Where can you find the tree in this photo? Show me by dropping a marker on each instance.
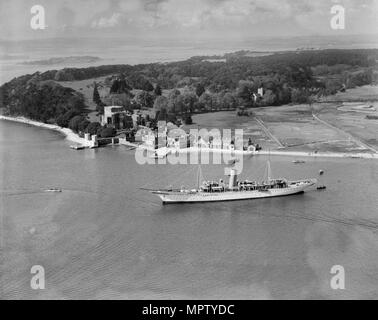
(241, 111)
(114, 87)
(139, 81)
(158, 90)
(171, 117)
(179, 105)
(120, 85)
(188, 119)
(284, 95)
(174, 101)
(173, 94)
(161, 102)
(74, 123)
(93, 127)
(189, 100)
(229, 101)
(145, 99)
(107, 132)
(269, 98)
(83, 125)
(64, 119)
(100, 108)
(217, 101)
(300, 96)
(200, 89)
(64, 75)
(147, 86)
(245, 92)
(206, 101)
(96, 95)
(120, 99)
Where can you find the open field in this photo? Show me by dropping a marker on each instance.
(358, 94)
(355, 122)
(229, 120)
(337, 124)
(333, 127)
(86, 88)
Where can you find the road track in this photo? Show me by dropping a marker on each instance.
(268, 133)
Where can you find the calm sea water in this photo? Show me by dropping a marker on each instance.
(102, 237)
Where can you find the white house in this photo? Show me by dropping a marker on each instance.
(109, 111)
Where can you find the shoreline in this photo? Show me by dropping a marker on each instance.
(68, 133)
(73, 137)
(321, 154)
(286, 153)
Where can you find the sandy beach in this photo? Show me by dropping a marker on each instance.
(70, 135)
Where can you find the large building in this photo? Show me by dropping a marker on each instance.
(117, 117)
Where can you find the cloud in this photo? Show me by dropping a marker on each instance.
(207, 13)
(175, 17)
(277, 16)
(107, 22)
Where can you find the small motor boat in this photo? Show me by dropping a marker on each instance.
(321, 188)
(77, 147)
(299, 161)
(53, 190)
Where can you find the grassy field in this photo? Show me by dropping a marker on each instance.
(336, 127)
(86, 88)
(364, 93)
(229, 120)
(355, 122)
(337, 123)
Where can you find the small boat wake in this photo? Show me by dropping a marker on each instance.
(26, 192)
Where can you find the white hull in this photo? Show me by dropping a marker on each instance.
(178, 197)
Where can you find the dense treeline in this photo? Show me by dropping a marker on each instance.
(49, 102)
(44, 101)
(224, 74)
(206, 86)
(196, 84)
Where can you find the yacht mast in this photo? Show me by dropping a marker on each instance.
(199, 176)
(268, 170)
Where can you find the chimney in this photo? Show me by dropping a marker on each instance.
(233, 177)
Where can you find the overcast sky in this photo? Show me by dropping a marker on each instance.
(175, 19)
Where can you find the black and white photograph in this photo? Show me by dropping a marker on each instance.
(170, 150)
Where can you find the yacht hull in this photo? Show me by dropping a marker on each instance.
(192, 197)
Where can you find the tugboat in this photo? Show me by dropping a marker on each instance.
(211, 191)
